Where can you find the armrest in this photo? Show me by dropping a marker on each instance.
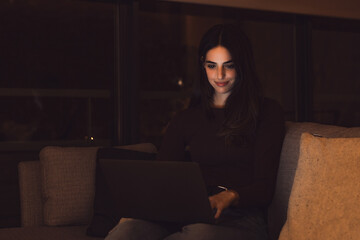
(30, 193)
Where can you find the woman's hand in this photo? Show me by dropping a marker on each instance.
(222, 201)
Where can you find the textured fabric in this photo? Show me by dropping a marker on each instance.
(68, 182)
(45, 233)
(105, 216)
(288, 164)
(68, 177)
(30, 194)
(325, 195)
(249, 168)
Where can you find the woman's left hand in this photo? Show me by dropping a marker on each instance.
(222, 201)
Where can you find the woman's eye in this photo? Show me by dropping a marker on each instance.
(230, 66)
(211, 66)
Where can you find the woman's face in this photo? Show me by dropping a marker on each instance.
(220, 70)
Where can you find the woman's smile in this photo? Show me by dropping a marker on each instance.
(222, 84)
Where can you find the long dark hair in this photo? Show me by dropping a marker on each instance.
(242, 105)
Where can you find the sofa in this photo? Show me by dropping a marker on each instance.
(62, 207)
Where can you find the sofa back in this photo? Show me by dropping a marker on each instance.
(277, 211)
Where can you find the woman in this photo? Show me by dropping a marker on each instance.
(234, 134)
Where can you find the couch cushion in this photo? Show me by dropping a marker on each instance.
(288, 163)
(68, 177)
(325, 195)
(45, 233)
(105, 217)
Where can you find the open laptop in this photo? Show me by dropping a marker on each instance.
(168, 191)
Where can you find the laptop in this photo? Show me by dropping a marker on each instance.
(168, 191)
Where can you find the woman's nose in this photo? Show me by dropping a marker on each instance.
(221, 73)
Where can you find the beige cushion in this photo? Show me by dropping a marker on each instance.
(326, 192)
(288, 163)
(68, 182)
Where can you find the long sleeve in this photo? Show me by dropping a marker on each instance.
(255, 183)
(249, 170)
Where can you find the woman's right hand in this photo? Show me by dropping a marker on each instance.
(222, 201)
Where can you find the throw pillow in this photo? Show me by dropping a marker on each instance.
(67, 184)
(277, 210)
(105, 217)
(326, 190)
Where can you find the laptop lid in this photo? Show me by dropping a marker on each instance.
(158, 190)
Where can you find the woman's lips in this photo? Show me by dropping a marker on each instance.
(221, 84)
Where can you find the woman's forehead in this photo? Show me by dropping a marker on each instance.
(218, 54)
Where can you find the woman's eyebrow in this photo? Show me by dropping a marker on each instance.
(207, 61)
(230, 61)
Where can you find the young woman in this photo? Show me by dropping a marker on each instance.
(234, 133)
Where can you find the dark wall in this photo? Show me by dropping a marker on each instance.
(56, 78)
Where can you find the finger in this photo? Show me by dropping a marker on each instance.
(218, 213)
(212, 203)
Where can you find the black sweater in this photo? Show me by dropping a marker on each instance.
(249, 169)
